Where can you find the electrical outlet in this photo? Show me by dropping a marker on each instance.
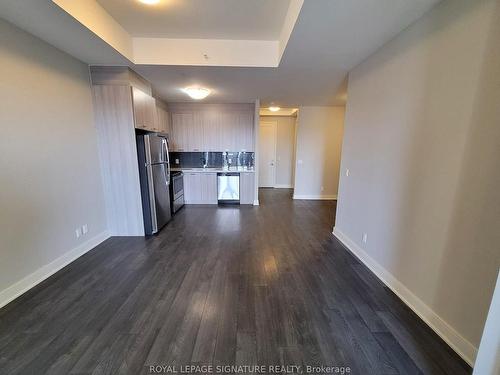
(176, 161)
(347, 172)
(365, 237)
(299, 161)
(85, 229)
(78, 232)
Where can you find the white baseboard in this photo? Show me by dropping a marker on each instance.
(283, 186)
(256, 202)
(458, 343)
(316, 197)
(25, 284)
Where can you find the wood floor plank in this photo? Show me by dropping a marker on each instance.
(265, 285)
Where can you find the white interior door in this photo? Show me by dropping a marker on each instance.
(267, 154)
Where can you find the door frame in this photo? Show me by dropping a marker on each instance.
(275, 128)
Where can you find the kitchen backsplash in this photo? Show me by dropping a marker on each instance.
(211, 159)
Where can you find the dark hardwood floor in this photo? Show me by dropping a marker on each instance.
(264, 285)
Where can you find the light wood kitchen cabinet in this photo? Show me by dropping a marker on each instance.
(187, 132)
(245, 139)
(247, 188)
(200, 188)
(122, 102)
(191, 183)
(208, 188)
(114, 115)
(182, 123)
(229, 131)
(212, 128)
(163, 119)
(145, 115)
(211, 131)
(195, 141)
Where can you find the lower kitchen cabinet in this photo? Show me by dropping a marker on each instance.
(247, 188)
(208, 188)
(200, 188)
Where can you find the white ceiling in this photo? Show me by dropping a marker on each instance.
(201, 19)
(330, 37)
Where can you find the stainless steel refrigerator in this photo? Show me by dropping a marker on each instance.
(154, 172)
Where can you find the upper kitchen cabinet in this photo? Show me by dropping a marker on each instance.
(229, 131)
(196, 134)
(143, 103)
(212, 127)
(245, 140)
(187, 132)
(237, 131)
(211, 131)
(145, 114)
(182, 123)
(163, 117)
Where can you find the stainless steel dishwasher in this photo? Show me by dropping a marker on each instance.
(228, 188)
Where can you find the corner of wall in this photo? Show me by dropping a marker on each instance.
(22, 286)
(459, 344)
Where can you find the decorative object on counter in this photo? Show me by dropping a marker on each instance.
(212, 159)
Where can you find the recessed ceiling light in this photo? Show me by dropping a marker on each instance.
(274, 109)
(150, 2)
(197, 93)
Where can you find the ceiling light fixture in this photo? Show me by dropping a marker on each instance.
(274, 109)
(150, 2)
(197, 93)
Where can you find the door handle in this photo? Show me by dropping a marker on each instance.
(165, 150)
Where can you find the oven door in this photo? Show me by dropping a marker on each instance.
(178, 185)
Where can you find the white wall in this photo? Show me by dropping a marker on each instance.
(318, 146)
(49, 170)
(422, 143)
(285, 149)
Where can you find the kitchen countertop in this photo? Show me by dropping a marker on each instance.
(220, 169)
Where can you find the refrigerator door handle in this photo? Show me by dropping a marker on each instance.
(165, 144)
(152, 201)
